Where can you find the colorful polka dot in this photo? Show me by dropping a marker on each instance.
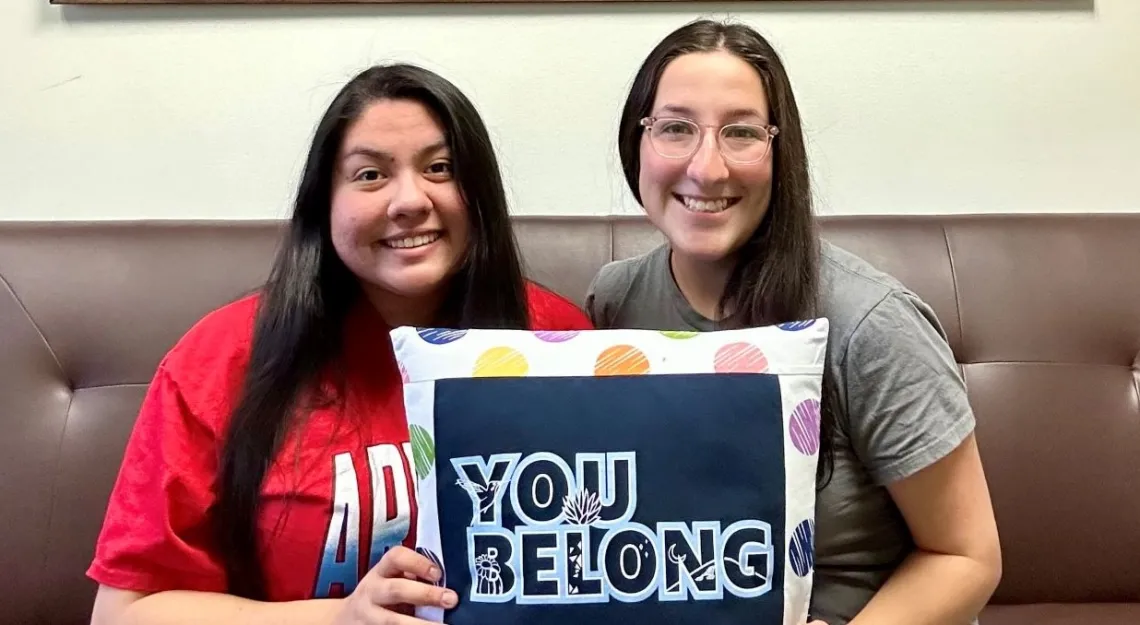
(795, 326)
(440, 336)
(556, 336)
(801, 551)
(740, 358)
(679, 334)
(621, 360)
(803, 426)
(501, 362)
(423, 450)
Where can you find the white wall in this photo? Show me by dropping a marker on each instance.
(205, 112)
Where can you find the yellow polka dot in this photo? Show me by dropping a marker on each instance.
(621, 360)
(501, 362)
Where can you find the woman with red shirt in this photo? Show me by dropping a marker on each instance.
(268, 478)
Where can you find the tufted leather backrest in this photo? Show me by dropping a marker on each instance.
(1043, 313)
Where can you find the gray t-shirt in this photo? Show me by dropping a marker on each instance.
(901, 396)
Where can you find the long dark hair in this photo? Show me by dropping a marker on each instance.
(297, 332)
(776, 278)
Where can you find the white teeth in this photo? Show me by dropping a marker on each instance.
(704, 206)
(410, 242)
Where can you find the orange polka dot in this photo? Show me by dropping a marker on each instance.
(501, 362)
(621, 360)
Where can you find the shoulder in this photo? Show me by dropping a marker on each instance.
(221, 332)
(620, 275)
(208, 362)
(551, 311)
(618, 281)
(897, 378)
(857, 297)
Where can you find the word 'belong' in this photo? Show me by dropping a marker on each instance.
(542, 532)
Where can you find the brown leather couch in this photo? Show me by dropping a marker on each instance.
(1042, 311)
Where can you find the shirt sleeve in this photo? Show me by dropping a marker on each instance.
(907, 406)
(157, 532)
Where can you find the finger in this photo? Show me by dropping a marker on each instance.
(400, 560)
(396, 591)
(384, 616)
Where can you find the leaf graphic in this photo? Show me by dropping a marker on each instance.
(582, 508)
(423, 451)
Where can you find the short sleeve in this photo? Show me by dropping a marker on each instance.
(907, 406)
(157, 532)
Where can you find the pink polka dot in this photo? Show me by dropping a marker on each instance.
(740, 358)
(803, 427)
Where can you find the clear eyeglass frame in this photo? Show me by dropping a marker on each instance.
(768, 131)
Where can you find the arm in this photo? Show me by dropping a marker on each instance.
(401, 580)
(156, 534)
(957, 564)
(156, 560)
(181, 607)
(913, 428)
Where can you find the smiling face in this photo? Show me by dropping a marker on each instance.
(398, 222)
(706, 205)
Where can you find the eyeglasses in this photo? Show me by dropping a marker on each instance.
(743, 144)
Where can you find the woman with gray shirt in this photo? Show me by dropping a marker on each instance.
(711, 147)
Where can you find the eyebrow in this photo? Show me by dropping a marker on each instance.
(380, 155)
(688, 112)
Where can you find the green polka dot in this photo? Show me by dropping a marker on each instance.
(679, 334)
(423, 451)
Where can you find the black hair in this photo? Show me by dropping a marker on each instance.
(776, 278)
(309, 292)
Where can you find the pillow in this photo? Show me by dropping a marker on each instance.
(611, 476)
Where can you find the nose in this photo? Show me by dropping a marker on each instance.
(708, 164)
(408, 197)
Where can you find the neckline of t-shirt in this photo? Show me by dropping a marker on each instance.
(696, 320)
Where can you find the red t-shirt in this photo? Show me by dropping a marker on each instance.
(338, 495)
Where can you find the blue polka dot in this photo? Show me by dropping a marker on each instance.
(440, 336)
(795, 326)
(801, 553)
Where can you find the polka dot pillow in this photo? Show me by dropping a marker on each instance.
(617, 475)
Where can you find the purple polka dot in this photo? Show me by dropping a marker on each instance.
(795, 326)
(801, 551)
(556, 336)
(440, 336)
(803, 426)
